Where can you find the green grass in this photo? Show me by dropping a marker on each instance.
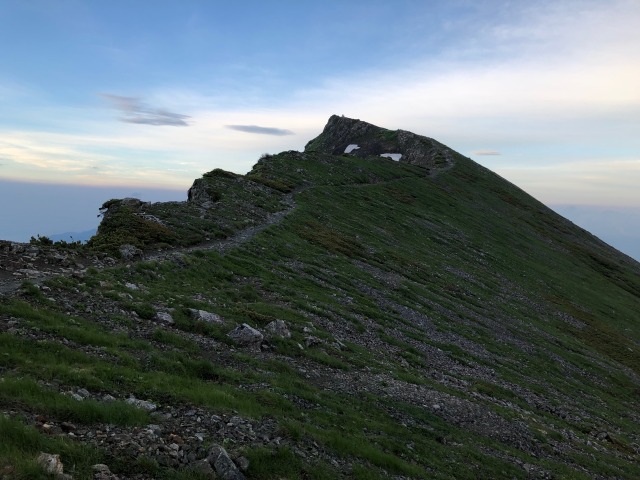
(20, 392)
(22, 444)
(487, 271)
(282, 463)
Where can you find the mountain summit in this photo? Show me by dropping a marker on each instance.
(361, 139)
(376, 306)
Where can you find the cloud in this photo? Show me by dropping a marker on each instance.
(486, 152)
(89, 159)
(260, 130)
(135, 111)
(535, 102)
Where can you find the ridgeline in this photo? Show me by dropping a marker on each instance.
(377, 306)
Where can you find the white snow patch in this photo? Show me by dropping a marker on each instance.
(351, 148)
(392, 156)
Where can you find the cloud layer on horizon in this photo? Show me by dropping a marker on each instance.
(260, 130)
(486, 152)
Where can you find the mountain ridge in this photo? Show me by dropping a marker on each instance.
(331, 315)
(340, 132)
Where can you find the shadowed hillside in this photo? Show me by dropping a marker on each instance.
(327, 315)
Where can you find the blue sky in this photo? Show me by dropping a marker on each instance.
(128, 96)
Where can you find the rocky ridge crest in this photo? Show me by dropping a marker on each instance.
(341, 132)
(328, 315)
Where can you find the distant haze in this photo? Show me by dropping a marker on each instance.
(617, 226)
(29, 209)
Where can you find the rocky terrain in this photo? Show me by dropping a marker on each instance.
(328, 315)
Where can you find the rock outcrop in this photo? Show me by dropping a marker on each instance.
(246, 335)
(342, 134)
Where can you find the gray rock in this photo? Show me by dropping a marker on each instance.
(50, 463)
(223, 465)
(278, 329)
(205, 316)
(130, 252)
(102, 472)
(164, 317)
(312, 341)
(100, 468)
(340, 132)
(143, 404)
(246, 335)
(151, 218)
(84, 393)
(155, 429)
(201, 195)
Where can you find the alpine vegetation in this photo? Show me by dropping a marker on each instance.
(376, 306)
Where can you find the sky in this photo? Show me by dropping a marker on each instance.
(139, 98)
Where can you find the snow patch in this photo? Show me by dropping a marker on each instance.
(392, 156)
(351, 148)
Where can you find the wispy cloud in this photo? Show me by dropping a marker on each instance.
(260, 130)
(525, 103)
(29, 154)
(486, 152)
(135, 111)
(93, 160)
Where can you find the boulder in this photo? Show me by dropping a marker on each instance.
(312, 341)
(102, 472)
(223, 465)
(246, 335)
(205, 316)
(164, 317)
(130, 252)
(143, 404)
(50, 463)
(199, 194)
(278, 329)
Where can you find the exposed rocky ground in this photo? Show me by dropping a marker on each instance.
(328, 315)
(21, 262)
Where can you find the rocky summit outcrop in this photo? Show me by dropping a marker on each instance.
(344, 135)
(377, 306)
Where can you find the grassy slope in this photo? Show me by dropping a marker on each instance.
(458, 286)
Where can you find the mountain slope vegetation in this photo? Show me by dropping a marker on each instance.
(438, 323)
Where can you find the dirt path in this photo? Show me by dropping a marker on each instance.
(20, 262)
(239, 238)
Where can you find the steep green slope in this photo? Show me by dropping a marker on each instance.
(443, 323)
